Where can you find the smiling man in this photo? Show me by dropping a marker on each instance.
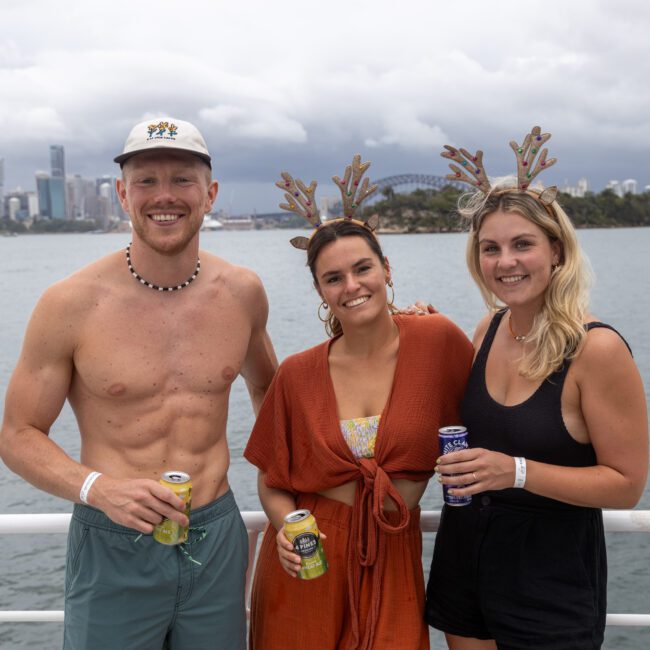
(145, 344)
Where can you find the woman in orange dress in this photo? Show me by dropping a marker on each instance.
(348, 430)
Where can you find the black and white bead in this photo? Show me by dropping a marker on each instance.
(155, 287)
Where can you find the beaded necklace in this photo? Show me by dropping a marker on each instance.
(155, 287)
(517, 337)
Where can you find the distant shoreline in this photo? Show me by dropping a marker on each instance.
(388, 231)
(447, 231)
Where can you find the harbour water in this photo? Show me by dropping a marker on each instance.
(429, 267)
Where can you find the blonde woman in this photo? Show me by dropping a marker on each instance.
(558, 429)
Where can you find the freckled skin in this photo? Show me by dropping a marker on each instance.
(137, 379)
(151, 386)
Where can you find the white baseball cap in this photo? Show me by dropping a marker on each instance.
(164, 133)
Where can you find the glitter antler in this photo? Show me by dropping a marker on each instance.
(353, 191)
(531, 160)
(468, 163)
(527, 165)
(301, 200)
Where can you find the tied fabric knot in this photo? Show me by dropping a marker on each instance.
(370, 497)
(367, 546)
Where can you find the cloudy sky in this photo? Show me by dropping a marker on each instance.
(302, 85)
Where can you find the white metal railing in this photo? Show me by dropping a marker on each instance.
(627, 521)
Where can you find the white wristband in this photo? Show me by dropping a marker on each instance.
(520, 472)
(88, 483)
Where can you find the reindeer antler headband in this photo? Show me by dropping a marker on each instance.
(301, 199)
(531, 160)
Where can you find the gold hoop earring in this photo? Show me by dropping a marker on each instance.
(326, 307)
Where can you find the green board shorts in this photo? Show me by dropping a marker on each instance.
(126, 591)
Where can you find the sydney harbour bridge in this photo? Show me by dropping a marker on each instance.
(398, 184)
(404, 183)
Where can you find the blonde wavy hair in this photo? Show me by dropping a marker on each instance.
(558, 329)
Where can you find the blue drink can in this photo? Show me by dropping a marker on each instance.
(453, 439)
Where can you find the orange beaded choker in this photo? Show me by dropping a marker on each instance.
(516, 337)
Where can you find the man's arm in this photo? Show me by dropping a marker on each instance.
(35, 396)
(260, 363)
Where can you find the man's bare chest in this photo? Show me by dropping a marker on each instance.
(135, 353)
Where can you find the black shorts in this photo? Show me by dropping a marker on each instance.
(525, 578)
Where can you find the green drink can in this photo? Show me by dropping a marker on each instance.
(301, 530)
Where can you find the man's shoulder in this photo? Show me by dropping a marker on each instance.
(63, 309)
(235, 276)
(76, 290)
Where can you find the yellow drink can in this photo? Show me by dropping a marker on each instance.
(301, 530)
(167, 531)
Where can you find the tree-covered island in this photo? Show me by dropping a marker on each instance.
(429, 210)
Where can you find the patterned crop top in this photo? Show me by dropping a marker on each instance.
(361, 435)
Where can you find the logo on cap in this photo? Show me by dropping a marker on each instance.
(157, 131)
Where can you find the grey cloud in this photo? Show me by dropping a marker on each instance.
(286, 86)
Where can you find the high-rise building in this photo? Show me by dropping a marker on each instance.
(14, 208)
(616, 187)
(77, 197)
(629, 186)
(58, 190)
(578, 190)
(583, 187)
(58, 198)
(57, 161)
(106, 203)
(43, 194)
(32, 205)
(2, 188)
(115, 209)
(17, 204)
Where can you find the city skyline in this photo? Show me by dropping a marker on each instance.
(57, 163)
(302, 88)
(58, 195)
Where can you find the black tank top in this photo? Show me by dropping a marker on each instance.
(533, 429)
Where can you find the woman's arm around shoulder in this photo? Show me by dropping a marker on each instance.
(433, 327)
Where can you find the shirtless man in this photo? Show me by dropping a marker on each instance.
(148, 374)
